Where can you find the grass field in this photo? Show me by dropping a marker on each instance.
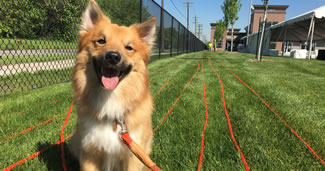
(293, 89)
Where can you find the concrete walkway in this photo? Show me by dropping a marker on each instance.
(6, 70)
(36, 52)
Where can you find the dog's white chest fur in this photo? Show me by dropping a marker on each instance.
(101, 136)
(100, 133)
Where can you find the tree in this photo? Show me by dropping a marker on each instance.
(263, 28)
(230, 10)
(60, 19)
(221, 27)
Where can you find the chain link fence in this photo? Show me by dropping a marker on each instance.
(38, 39)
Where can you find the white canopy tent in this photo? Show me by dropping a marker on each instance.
(308, 27)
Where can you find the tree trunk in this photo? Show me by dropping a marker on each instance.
(262, 38)
(232, 37)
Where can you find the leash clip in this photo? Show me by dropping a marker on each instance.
(123, 128)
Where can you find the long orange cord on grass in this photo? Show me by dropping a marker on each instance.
(36, 106)
(62, 138)
(276, 114)
(61, 141)
(228, 120)
(31, 128)
(205, 123)
(22, 161)
(165, 84)
(171, 109)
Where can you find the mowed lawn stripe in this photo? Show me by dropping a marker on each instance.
(277, 115)
(219, 150)
(175, 72)
(176, 84)
(177, 143)
(266, 141)
(157, 81)
(171, 108)
(228, 119)
(206, 120)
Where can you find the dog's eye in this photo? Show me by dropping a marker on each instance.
(128, 47)
(101, 41)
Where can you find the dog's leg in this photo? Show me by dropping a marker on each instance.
(74, 145)
(91, 161)
(134, 164)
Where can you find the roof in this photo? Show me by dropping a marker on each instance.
(318, 12)
(279, 7)
(298, 27)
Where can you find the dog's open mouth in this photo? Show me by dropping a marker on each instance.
(110, 77)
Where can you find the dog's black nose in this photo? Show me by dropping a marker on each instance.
(112, 57)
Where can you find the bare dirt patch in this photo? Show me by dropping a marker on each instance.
(263, 60)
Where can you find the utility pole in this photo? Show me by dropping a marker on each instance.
(188, 21)
(188, 13)
(195, 25)
(200, 28)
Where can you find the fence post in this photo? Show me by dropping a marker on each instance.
(187, 41)
(140, 12)
(178, 38)
(184, 40)
(161, 30)
(171, 37)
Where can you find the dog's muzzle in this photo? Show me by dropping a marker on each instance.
(111, 69)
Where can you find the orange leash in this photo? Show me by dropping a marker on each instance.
(136, 149)
(64, 167)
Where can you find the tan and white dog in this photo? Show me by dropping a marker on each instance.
(110, 83)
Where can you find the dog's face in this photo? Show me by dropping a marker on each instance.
(113, 51)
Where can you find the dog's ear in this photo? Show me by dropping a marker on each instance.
(147, 30)
(92, 15)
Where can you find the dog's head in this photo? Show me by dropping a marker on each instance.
(112, 51)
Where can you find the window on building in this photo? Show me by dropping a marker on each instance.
(272, 45)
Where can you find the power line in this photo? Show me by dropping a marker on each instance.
(177, 8)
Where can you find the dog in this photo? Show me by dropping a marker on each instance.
(110, 83)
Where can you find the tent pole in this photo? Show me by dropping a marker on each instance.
(311, 38)
(284, 40)
(311, 22)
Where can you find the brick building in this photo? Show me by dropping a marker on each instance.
(275, 14)
(226, 41)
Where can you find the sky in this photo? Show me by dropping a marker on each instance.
(209, 11)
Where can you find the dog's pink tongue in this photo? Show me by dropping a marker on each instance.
(110, 82)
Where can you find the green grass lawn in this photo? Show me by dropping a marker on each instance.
(14, 44)
(293, 88)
